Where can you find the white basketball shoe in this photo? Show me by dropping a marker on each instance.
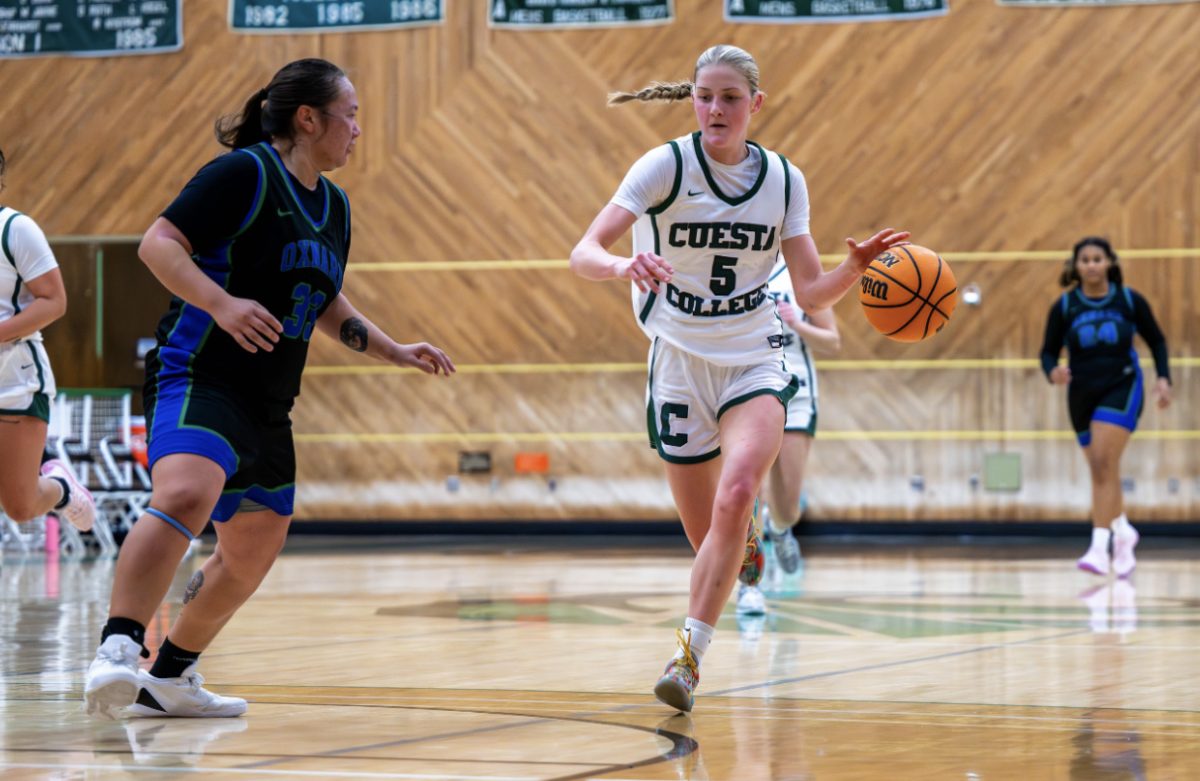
(1125, 539)
(184, 697)
(750, 601)
(1096, 560)
(112, 678)
(81, 509)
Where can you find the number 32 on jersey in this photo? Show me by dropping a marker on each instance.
(304, 314)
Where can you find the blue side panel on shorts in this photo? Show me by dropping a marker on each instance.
(1125, 418)
(169, 434)
(280, 501)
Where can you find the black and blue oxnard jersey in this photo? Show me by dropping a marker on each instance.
(289, 259)
(1098, 335)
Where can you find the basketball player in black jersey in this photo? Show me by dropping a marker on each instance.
(1096, 319)
(255, 250)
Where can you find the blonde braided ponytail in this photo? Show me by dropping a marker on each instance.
(666, 92)
(658, 92)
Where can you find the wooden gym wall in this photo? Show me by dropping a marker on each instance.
(991, 129)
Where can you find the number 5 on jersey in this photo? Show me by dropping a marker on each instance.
(304, 314)
(724, 278)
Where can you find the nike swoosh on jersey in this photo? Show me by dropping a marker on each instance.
(282, 213)
(690, 193)
(26, 366)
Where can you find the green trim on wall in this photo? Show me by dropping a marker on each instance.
(99, 302)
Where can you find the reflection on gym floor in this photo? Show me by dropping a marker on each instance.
(494, 659)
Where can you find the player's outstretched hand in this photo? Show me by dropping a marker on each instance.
(646, 270)
(249, 323)
(1060, 375)
(861, 255)
(425, 357)
(790, 313)
(1162, 392)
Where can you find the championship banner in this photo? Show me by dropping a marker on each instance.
(312, 16)
(574, 14)
(1093, 3)
(815, 11)
(29, 28)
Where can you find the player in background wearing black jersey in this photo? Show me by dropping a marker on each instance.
(1096, 320)
(255, 250)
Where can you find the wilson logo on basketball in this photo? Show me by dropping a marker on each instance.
(921, 288)
(875, 288)
(887, 259)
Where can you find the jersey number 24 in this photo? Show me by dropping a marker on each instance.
(1105, 333)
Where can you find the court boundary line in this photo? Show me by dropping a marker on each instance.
(682, 745)
(747, 707)
(235, 754)
(886, 665)
(9, 677)
(307, 773)
(830, 711)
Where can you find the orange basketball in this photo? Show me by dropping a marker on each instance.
(908, 293)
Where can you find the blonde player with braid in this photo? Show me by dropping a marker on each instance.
(711, 213)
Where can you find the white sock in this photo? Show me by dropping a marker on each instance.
(1100, 537)
(700, 636)
(1121, 524)
(776, 528)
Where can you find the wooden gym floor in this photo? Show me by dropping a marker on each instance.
(510, 659)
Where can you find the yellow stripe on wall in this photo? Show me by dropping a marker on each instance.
(614, 368)
(622, 436)
(957, 257)
(488, 368)
(504, 265)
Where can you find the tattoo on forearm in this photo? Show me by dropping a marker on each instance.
(354, 335)
(193, 587)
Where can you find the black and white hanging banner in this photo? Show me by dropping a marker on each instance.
(568, 14)
(816, 11)
(29, 28)
(291, 16)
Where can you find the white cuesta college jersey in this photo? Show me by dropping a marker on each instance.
(798, 355)
(723, 249)
(24, 255)
(24, 367)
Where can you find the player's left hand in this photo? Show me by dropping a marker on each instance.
(790, 314)
(1162, 391)
(861, 255)
(425, 357)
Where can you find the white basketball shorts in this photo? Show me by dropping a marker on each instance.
(686, 397)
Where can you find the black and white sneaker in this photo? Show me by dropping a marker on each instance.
(184, 697)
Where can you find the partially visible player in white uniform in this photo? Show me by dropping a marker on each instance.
(711, 213)
(803, 333)
(32, 297)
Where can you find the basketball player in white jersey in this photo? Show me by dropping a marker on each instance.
(802, 334)
(31, 297)
(711, 212)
